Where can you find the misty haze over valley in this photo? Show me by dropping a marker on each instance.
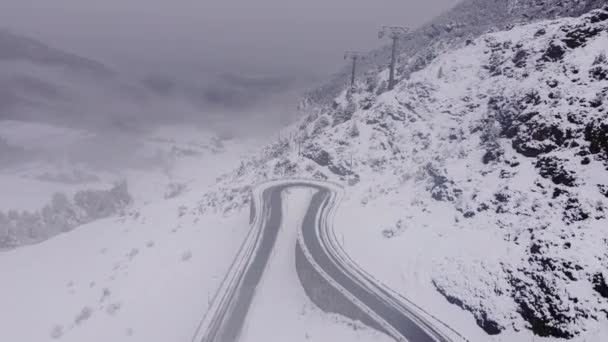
(270, 170)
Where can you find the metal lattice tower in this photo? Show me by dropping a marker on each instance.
(354, 56)
(394, 33)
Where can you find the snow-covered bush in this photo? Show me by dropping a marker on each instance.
(61, 215)
(99, 204)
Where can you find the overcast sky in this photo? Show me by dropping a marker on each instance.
(179, 35)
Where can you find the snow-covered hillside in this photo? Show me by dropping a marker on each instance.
(466, 21)
(479, 183)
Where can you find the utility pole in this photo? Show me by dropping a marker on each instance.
(354, 56)
(394, 33)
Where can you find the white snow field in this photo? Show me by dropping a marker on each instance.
(146, 276)
(477, 188)
(145, 273)
(149, 272)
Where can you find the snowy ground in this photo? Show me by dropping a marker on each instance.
(410, 260)
(472, 177)
(147, 275)
(144, 276)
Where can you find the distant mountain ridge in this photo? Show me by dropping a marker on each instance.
(40, 82)
(17, 48)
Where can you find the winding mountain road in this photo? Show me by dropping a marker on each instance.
(368, 299)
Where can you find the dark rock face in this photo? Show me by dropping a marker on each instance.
(599, 69)
(599, 73)
(552, 168)
(573, 211)
(342, 115)
(340, 170)
(531, 135)
(539, 299)
(535, 138)
(555, 52)
(599, 285)
(490, 156)
(440, 187)
(578, 35)
(323, 158)
(317, 154)
(520, 59)
(596, 133)
(603, 189)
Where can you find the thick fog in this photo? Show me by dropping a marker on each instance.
(276, 36)
(236, 67)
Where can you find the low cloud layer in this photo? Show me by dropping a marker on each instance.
(186, 36)
(236, 66)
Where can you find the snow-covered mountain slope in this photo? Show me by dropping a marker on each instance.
(466, 21)
(488, 166)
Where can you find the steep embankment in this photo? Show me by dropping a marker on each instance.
(505, 138)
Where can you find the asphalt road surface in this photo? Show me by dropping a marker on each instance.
(224, 322)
